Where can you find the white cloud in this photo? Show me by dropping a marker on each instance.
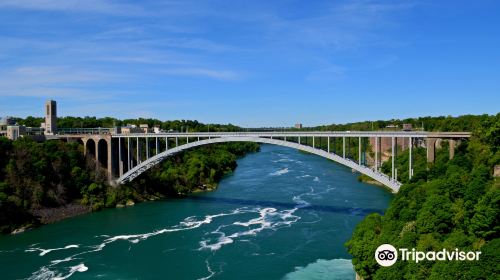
(95, 6)
(328, 74)
(203, 72)
(340, 27)
(40, 81)
(46, 75)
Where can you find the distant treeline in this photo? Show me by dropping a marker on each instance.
(442, 123)
(449, 123)
(92, 122)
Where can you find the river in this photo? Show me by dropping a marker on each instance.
(282, 214)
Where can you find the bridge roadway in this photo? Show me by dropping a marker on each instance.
(399, 134)
(117, 154)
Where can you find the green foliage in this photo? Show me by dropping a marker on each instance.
(38, 175)
(198, 169)
(448, 204)
(92, 122)
(30, 121)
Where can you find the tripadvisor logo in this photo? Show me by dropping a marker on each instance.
(387, 255)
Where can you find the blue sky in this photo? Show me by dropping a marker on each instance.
(251, 63)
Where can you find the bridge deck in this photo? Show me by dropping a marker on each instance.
(399, 134)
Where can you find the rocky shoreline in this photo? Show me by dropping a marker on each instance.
(52, 215)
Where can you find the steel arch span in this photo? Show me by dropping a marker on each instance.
(149, 163)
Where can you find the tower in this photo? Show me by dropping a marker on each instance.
(50, 117)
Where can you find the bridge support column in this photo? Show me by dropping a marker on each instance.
(328, 146)
(299, 140)
(431, 148)
(410, 146)
(166, 143)
(392, 157)
(110, 159)
(96, 154)
(378, 152)
(128, 154)
(359, 150)
(176, 141)
(138, 158)
(452, 143)
(120, 162)
(313, 141)
(156, 145)
(343, 147)
(147, 148)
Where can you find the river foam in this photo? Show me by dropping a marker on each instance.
(43, 252)
(189, 223)
(280, 172)
(269, 218)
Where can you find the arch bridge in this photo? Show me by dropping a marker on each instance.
(126, 156)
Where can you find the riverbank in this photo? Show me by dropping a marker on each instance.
(46, 216)
(365, 179)
(52, 215)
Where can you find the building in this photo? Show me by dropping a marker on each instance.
(50, 117)
(130, 128)
(15, 131)
(144, 128)
(298, 125)
(391, 127)
(116, 130)
(407, 127)
(157, 129)
(5, 121)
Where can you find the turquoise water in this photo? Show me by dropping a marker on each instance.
(281, 215)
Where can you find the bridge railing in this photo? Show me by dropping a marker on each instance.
(415, 134)
(96, 130)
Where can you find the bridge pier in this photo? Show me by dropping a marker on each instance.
(128, 155)
(378, 153)
(158, 147)
(343, 147)
(393, 156)
(452, 143)
(410, 146)
(431, 149)
(138, 158)
(120, 161)
(359, 150)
